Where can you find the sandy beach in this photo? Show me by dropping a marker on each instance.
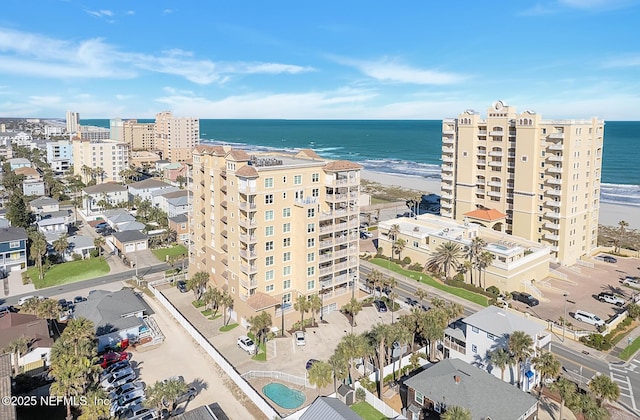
(610, 214)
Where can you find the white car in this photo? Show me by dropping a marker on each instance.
(24, 299)
(126, 401)
(246, 344)
(125, 389)
(118, 379)
(631, 281)
(299, 337)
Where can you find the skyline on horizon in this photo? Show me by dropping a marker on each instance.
(561, 58)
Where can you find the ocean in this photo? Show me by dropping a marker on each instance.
(410, 148)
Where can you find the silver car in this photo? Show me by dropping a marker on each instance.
(118, 379)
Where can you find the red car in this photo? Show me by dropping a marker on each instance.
(112, 357)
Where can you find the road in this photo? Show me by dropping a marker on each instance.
(577, 366)
(95, 283)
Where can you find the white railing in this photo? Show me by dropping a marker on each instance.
(274, 374)
(219, 359)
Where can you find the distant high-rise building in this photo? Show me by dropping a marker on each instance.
(176, 137)
(73, 122)
(140, 136)
(89, 132)
(102, 160)
(533, 178)
(116, 129)
(60, 155)
(272, 228)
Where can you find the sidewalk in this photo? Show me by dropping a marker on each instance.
(617, 349)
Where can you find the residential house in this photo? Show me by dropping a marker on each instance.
(81, 245)
(55, 224)
(174, 203)
(180, 224)
(117, 316)
(110, 192)
(22, 139)
(517, 263)
(7, 411)
(16, 163)
(121, 220)
(33, 183)
(161, 164)
(172, 171)
(453, 382)
(14, 326)
(145, 189)
(212, 411)
(13, 248)
(44, 205)
(472, 338)
(130, 241)
(327, 408)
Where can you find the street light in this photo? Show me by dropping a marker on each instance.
(564, 318)
(282, 307)
(322, 304)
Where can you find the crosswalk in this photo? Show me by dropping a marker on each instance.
(620, 375)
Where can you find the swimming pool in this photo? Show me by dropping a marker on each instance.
(284, 396)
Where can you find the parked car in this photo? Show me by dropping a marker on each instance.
(118, 379)
(299, 337)
(140, 412)
(79, 299)
(525, 298)
(112, 357)
(125, 401)
(24, 299)
(607, 258)
(126, 388)
(588, 317)
(611, 298)
(246, 344)
(182, 286)
(186, 396)
(310, 363)
(412, 302)
(366, 233)
(101, 225)
(380, 305)
(114, 368)
(631, 281)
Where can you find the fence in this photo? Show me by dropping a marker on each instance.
(378, 404)
(244, 386)
(274, 374)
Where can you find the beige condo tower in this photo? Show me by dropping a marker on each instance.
(540, 178)
(271, 228)
(176, 137)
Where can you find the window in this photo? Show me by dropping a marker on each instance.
(311, 284)
(474, 348)
(525, 158)
(14, 244)
(268, 246)
(286, 242)
(268, 231)
(286, 256)
(286, 284)
(268, 261)
(286, 212)
(311, 227)
(284, 195)
(315, 177)
(286, 270)
(311, 271)
(286, 227)
(297, 180)
(268, 275)
(284, 179)
(268, 215)
(268, 288)
(268, 199)
(416, 244)
(268, 182)
(311, 257)
(491, 336)
(311, 242)
(315, 192)
(419, 398)
(286, 299)
(474, 329)
(311, 212)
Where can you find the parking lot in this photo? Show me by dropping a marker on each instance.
(582, 286)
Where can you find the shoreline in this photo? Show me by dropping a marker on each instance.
(610, 214)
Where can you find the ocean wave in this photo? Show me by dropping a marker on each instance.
(628, 195)
(402, 167)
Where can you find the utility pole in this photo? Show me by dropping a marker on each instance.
(564, 318)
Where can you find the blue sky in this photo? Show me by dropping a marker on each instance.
(336, 60)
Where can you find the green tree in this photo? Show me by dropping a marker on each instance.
(340, 366)
(38, 250)
(474, 249)
(422, 295)
(483, 261)
(18, 348)
(48, 309)
(353, 308)
(61, 245)
(211, 298)
(260, 325)
(445, 258)
(197, 283)
(431, 325)
(519, 345)
(315, 305)
(226, 300)
(547, 365)
(99, 242)
(566, 389)
(380, 334)
(71, 375)
(394, 231)
(604, 389)
(587, 406)
(456, 412)
(171, 390)
(320, 374)
(301, 305)
(398, 247)
(17, 212)
(501, 358)
(622, 228)
(95, 409)
(633, 309)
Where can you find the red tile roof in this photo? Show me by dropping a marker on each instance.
(341, 165)
(260, 301)
(488, 215)
(239, 155)
(247, 172)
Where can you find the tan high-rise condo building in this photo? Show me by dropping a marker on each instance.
(176, 137)
(272, 228)
(533, 178)
(138, 135)
(102, 160)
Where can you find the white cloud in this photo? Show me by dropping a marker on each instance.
(130, 12)
(558, 6)
(100, 13)
(389, 70)
(631, 60)
(167, 11)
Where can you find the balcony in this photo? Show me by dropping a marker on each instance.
(246, 222)
(224, 247)
(223, 219)
(447, 149)
(223, 204)
(494, 194)
(245, 189)
(224, 234)
(494, 184)
(334, 227)
(448, 140)
(552, 215)
(446, 186)
(247, 206)
(248, 255)
(448, 159)
(249, 269)
(447, 167)
(249, 284)
(225, 262)
(495, 163)
(223, 174)
(341, 181)
(334, 198)
(554, 248)
(556, 136)
(553, 181)
(482, 132)
(480, 191)
(551, 203)
(223, 189)
(554, 158)
(556, 193)
(326, 283)
(557, 146)
(448, 131)
(552, 226)
(248, 239)
(551, 237)
(554, 170)
(307, 201)
(446, 177)
(481, 162)
(495, 153)
(481, 152)
(496, 133)
(447, 195)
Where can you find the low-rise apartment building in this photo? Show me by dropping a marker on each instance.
(175, 137)
(94, 197)
(33, 184)
(102, 160)
(60, 156)
(144, 190)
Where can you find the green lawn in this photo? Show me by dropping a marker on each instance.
(162, 253)
(630, 350)
(228, 327)
(367, 412)
(69, 272)
(464, 294)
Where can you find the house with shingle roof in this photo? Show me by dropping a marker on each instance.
(16, 325)
(453, 382)
(327, 408)
(179, 224)
(13, 248)
(145, 189)
(130, 241)
(44, 205)
(174, 202)
(111, 192)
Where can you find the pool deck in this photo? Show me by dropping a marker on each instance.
(309, 393)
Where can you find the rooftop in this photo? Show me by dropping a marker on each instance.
(111, 311)
(327, 408)
(14, 326)
(106, 187)
(486, 214)
(129, 236)
(149, 183)
(500, 322)
(12, 234)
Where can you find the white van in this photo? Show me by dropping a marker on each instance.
(589, 318)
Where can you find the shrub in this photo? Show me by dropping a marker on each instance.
(493, 290)
(94, 253)
(597, 341)
(406, 260)
(76, 256)
(368, 384)
(416, 267)
(360, 395)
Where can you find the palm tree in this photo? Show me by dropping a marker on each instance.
(394, 231)
(380, 334)
(410, 323)
(61, 245)
(484, 260)
(18, 348)
(320, 374)
(351, 347)
(71, 378)
(340, 368)
(79, 335)
(445, 258)
(99, 242)
(566, 389)
(38, 250)
(197, 283)
(48, 309)
(398, 247)
(431, 326)
(621, 231)
(95, 409)
(211, 298)
(227, 303)
(500, 358)
(315, 305)
(301, 305)
(376, 279)
(404, 334)
(604, 389)
(588, 407)
(422, 295)
(547, 365)
(477, 244)
(260, 324)
(172, 389)
(456, 412)
(353, 308)
(519, 345)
